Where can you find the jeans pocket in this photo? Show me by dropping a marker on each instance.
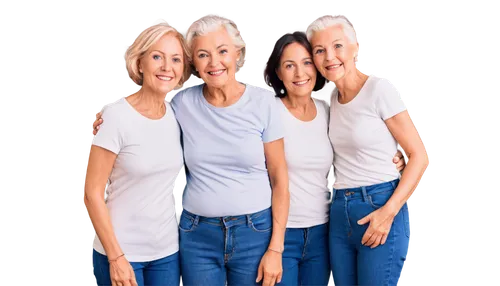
(406, 219)
(263, 223)
(186, 223)
(378, 200)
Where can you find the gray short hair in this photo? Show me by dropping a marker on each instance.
(211, 23)
(328, 21)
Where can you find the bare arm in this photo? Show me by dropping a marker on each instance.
(278, 174)
(406, 134)
(98, 170)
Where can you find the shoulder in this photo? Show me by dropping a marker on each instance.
(322, 104)
(185, 94)
(382, 86)
(115, 109)
(259, 92)
(327, 93)
(260, 97)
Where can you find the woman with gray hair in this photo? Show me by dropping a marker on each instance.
(235, 167)
(369, 223)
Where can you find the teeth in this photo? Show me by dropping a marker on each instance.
(301, 82)
(333, 66)
(165, 78)
(216, 72)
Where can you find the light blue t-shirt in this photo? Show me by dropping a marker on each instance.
(226, 170)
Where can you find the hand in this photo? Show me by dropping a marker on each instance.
(97, 122)
(380, 226)
(399, 160)
(122, 273)
(270, 268)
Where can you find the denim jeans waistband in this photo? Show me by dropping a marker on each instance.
(363, 192)
(227, 220)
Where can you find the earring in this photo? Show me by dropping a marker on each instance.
(282, 91)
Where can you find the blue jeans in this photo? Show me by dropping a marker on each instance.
(161, 272)
(306, 259)
(353, 263)
(216, 250)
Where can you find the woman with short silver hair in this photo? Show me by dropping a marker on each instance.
(235, 167)
(369, 223)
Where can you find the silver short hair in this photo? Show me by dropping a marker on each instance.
(327, 20)
(211, 22)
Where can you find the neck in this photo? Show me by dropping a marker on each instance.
(225, 92)
(299, 103)
(149, 102)
(350, 85)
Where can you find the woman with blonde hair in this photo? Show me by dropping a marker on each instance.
(138, 153)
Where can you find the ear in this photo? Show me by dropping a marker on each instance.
(238, 55)
(140, 66)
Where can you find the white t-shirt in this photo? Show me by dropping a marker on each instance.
(363, 145)
(139, 193)
(309, 156)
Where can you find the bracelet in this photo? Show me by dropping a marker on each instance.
(114, 260)
(274, 250)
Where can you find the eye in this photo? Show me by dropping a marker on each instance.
(308, 63)
(223, 52)
(156, 57)
(288, 66)
(176, 60)
(338, 46)
(319, 51)
(203, 55)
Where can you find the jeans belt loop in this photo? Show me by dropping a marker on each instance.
(196, 220)
(365, 196)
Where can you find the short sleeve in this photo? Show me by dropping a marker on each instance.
(388, 101)
(109, 136)
(273, 129)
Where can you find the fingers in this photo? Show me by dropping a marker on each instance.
(269, 279)
(259, 274)
(98, 115)
(377, 241)
(280, 276)
(384, 239)
(133, 281)
(364, 220)
(371, 240)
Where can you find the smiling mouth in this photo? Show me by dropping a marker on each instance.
(218, 72)
(333, 67)
(164, 78)
(300, 83)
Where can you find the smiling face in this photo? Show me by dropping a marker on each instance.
(162, 65)
(333, 53)
(215, 57)
(296, 70)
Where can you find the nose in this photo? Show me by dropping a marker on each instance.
(214, 60)
(299, 71)
(330, 54)
(166, 66)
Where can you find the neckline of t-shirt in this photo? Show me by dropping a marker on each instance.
(360, 92)
(144, 117)
(234, 105)
(301, 121)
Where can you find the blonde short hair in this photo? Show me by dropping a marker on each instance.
(142, 44)
(211, 23)
(328, 21)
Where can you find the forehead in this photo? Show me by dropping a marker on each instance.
(294, 51)
(168, 44)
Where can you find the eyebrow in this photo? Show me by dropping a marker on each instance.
(306, 58)
(164, 53)
(202, 50)
(322, 45)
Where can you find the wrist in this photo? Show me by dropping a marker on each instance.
(392, 208)
(275, 250)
